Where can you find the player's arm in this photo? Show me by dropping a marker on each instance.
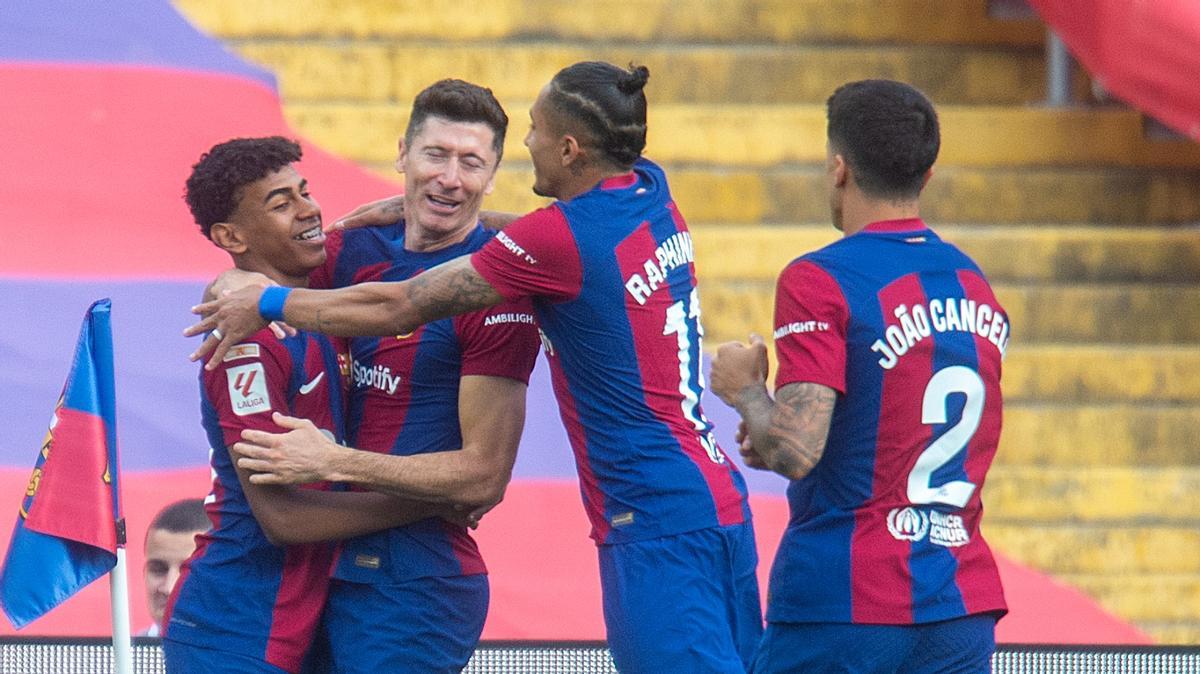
(289, 515)
(452, 288)
(491, 416)
(786, 434)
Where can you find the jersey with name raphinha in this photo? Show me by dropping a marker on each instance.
(885, 529)
(404, 389)
(239, 592)
(612, 277)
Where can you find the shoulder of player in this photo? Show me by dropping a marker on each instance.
(262, 345)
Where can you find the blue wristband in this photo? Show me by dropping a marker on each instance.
(270, 304)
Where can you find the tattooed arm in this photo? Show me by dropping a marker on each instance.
(447, 290)
(365, 309)
(787, 434)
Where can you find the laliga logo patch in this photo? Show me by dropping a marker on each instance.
(248, 389)
(907, 524)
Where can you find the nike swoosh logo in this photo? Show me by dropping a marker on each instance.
(304, 390)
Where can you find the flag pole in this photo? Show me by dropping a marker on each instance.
(119, 585)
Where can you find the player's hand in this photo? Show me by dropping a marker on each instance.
(738, 366)
(466, 515)
(496, 219)
(228, 320)
(236, 279)
(299, 456)
(374, 214)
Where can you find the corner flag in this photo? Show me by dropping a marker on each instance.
(66, 534)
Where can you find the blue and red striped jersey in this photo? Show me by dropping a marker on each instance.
(885, 529)
(613, 283)
(403, 396)
(238, 592)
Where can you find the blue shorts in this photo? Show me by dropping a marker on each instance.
(959, 646)
(684, 603)
(181, 658)
(423, 625)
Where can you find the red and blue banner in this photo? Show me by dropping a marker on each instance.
(66, 532)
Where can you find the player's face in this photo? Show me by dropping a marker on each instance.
(280, 225)
(165, 552)
(543, 143)
(447, 170)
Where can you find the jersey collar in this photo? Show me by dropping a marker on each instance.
(904, 225)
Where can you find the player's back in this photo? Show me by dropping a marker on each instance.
(891, 511)
(625, 353)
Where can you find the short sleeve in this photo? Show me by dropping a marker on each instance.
(250, 384)
(535, 256)
(810, 327)
(500, 341)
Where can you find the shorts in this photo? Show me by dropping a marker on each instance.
(423, 625)
(957, 646)
(683, 603)
(181, 658)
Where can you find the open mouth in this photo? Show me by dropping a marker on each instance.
(442, 203)
(310, 234)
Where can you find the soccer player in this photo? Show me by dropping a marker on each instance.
(609, 268)
(170, 540)
(886, 416)
(250, 597)
(439, 408)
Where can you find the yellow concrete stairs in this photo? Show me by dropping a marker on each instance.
(1080, 221)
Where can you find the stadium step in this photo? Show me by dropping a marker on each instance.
(1006, 254)
(1093, 436)
(1099, 495)
(1106, 313)
(762, 136)
(1103, 373)
(740, 199)
(1157, 597)
(394, 73)
(1122, 551)
(781, 22)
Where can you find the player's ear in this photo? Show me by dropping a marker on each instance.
(228, 237)
(840, 170)
(401, 154)
(928, 175)
(569, 149)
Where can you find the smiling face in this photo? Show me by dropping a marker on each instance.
(545, 148)
(275, 228)
(448, 168)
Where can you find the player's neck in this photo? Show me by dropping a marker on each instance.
(586, 179)
(860, 211)
(272, 273)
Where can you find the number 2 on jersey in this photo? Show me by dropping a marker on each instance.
(954, 379)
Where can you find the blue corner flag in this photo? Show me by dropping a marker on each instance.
(66, 534)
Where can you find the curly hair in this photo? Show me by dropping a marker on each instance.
(215, 185)
(888, 133)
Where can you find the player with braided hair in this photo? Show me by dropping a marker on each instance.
(610, 269)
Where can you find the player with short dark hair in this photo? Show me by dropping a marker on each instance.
(886, 416)
(250, 597)
(609, 267)
(170, 540)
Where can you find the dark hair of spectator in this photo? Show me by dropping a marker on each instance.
(611, 104)
(182, 516)
(888, 134)
(215, 185)
(458, 101)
